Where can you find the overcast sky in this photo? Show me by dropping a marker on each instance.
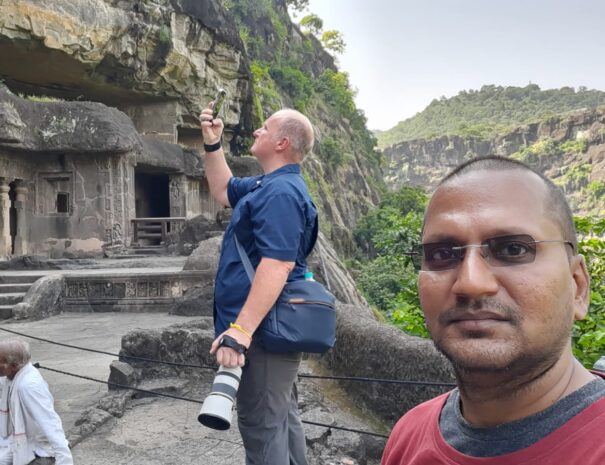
(401, 54)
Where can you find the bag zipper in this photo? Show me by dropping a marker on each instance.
(312, 302)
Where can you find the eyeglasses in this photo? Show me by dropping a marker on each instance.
(498, 251)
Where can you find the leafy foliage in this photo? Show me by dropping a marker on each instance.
(297, 5)
(332, 151)
(266, 98)
(589, 334)
(312, 23)
(335, 90)
(490, 111)
(297, 84)
(334, 41)
(386, 277)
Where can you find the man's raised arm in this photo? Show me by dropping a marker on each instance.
(218, 172)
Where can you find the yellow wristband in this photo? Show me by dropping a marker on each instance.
(240, 329)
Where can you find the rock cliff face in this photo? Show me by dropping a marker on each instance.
(159, 61)
(124, 52)
(570, 149)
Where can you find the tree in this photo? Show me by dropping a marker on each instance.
(312, 23)
(333, 41)
(297, 5)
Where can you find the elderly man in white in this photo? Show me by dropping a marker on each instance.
(29, 425)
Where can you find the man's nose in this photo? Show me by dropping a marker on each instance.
(475, 277)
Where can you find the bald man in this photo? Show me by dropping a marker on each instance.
(501, 283)
(29, 425)
(273, 219)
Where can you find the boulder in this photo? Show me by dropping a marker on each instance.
(187, 343)
(196, 301)
(196, 230)
(205, 256)
(123, 374)
(368, 348)
(43, 299)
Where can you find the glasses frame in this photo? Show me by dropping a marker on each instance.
(416, 256)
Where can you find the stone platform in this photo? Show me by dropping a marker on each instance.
(152, 284)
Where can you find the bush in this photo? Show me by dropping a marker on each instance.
(266, 100)
(589, 334)
(387, 279)
(332, 152)
(596, 189)
(539, 150)
(296, 83)
(574, 146)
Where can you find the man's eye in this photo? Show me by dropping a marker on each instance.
(512, 249)
(440, 254)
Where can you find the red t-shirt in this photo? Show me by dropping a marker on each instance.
(417, 440)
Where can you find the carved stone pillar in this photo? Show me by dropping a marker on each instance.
(21, 237)
(5, 203)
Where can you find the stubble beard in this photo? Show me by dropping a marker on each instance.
(477, 357)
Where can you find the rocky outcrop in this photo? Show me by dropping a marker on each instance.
(370, 349)
(124, 52)
(170, 158)
(66, 127)
(195, 230)
(424, 162)
(328, 269)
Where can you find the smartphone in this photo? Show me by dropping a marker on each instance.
(218, 102)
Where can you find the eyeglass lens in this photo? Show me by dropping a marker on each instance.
(499, 251)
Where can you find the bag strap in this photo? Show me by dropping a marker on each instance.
(246, 260)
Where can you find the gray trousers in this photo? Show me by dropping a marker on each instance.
(267, 409)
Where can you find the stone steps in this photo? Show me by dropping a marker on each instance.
(14, 287)
(19, 278)
(12, 291)
(12, 298)
(6, 312)
(147, 250)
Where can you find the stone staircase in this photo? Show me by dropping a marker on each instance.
(12, 291)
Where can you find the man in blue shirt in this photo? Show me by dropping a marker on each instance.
(273, 219)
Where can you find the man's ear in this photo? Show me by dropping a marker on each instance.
(283, 144)
(581, 281)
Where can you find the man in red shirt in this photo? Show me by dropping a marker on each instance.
(501, 283)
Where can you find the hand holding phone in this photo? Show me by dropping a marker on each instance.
(218, 102)
(212, 128)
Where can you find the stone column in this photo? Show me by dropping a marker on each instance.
(21, 237)
(5, 203)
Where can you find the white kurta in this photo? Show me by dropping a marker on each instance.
(31, 415)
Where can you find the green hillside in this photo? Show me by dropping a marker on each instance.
(490, 111)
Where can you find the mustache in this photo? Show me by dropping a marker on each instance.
(464, 307)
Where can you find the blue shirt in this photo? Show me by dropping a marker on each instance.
(273, 217)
